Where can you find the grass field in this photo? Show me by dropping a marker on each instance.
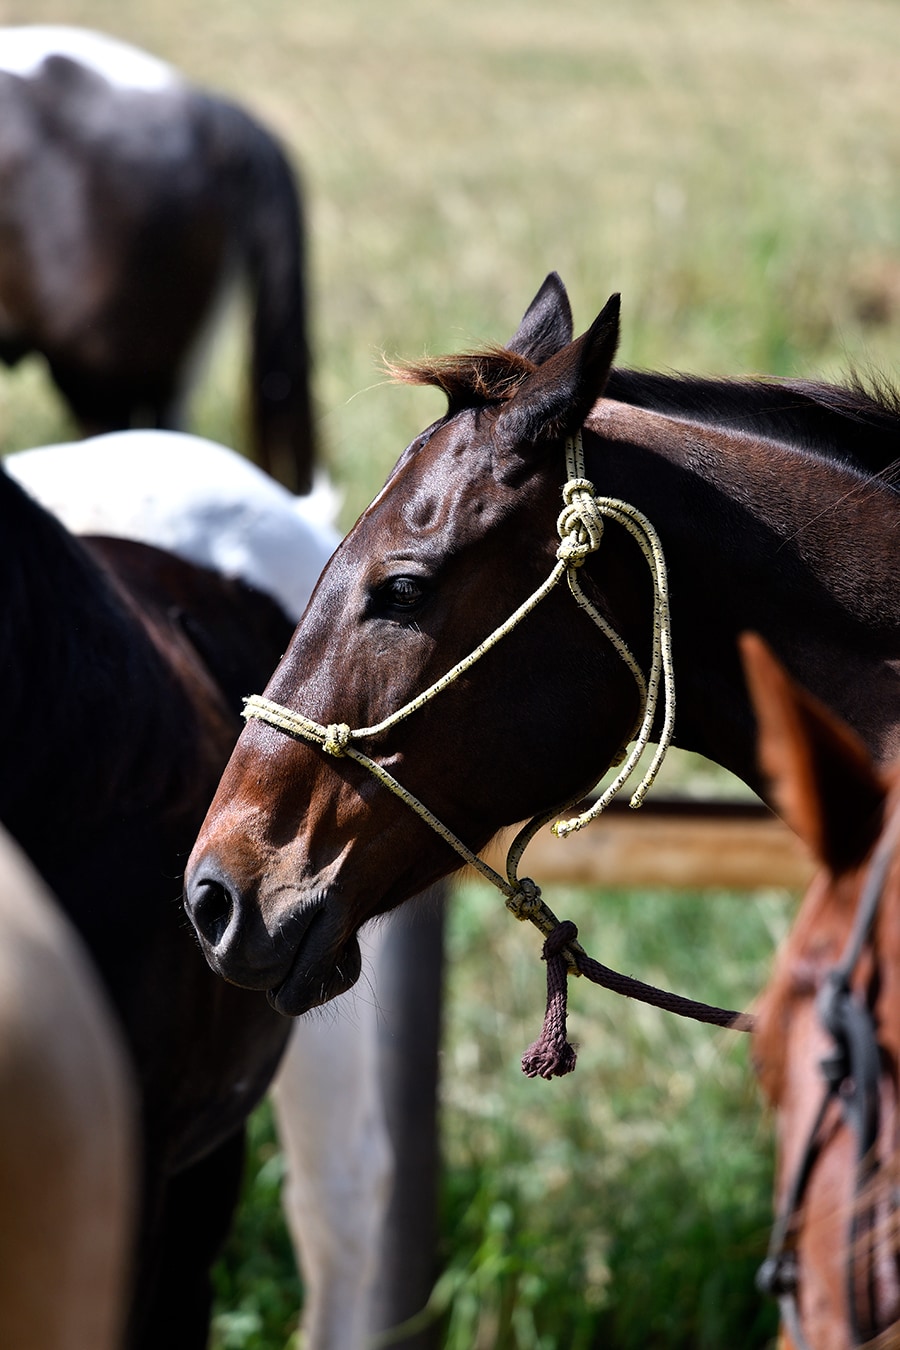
(734, 170)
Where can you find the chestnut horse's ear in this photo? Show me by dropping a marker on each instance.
(819, 775)
(547, 324)
(554, 401)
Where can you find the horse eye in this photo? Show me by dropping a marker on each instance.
(402, 593)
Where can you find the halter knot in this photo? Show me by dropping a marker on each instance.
(337, 738)
(564, 933)
(580, 524)
(526, 900)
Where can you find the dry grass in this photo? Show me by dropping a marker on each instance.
(730, 168)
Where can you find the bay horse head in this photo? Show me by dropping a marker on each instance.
(827, 1044)
(464, 530)
(394, 678)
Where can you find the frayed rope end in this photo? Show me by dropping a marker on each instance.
(551, 1055)
(543, 1061)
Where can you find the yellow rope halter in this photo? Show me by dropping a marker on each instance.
(580, 526)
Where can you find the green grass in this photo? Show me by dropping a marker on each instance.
(731, 168)
(626, 1205)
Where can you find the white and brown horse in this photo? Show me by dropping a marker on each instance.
(130, 201)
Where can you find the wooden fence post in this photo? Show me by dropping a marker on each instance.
(410, 988)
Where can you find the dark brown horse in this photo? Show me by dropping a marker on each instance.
(827, 1043)
(129, 203)
(759, 530)
(122, 672)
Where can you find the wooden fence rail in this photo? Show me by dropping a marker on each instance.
(675, 842)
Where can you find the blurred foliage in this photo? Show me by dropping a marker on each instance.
(257, 1287)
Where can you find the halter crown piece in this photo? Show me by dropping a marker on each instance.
(580, 526)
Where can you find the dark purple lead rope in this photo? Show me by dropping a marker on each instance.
(551, 1055)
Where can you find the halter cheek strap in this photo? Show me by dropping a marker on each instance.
(580, 526)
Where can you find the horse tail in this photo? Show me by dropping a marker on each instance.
(274, 256)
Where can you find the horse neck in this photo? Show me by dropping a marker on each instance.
(764, 537)
(91, 709)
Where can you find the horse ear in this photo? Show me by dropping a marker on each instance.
(547, 323)
(554, 401)
(819, 775)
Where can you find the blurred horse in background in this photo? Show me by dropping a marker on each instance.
(68, 1147)
(130, 202)
(827, 1043)
(213, 508)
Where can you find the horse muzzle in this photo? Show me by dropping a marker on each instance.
(300, 954)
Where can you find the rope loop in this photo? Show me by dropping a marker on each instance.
(337, 738)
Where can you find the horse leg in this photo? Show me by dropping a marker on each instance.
(330, 1118)
(106, 401)
(97, 402)
(197, 1212)
(169, 413)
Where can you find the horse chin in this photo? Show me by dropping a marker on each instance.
(319, 973)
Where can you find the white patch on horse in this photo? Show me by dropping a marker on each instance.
(193, 497)
(24, 49)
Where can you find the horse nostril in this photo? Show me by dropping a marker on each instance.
(211, 907)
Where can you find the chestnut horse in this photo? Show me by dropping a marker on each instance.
(129, 203)
(122, 672)
(68, 1163)
(757, 530)
(827, 1043)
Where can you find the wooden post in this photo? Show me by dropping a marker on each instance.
(410, 986)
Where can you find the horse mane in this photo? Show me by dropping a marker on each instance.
(858, 422)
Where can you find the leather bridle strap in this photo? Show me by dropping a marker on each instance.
(852, 1076)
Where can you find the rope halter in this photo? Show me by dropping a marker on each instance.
(580, 526)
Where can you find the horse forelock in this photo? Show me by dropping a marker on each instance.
(469, 379)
